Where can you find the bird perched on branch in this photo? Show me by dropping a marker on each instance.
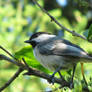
(55, 53)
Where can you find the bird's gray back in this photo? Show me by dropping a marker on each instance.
(61, 47)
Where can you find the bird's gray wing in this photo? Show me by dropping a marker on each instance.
(61, 48)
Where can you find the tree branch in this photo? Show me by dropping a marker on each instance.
(32, 71)
(3, 57)
(60, 25)
(7, 52)
(11, 79)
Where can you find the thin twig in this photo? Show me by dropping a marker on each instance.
(7, 52)
(60, 25)
(3, 57)
(11, 79)
(26, 64)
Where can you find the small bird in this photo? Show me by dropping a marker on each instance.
(55, 53)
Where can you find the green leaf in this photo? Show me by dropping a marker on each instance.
(27, 54)
(90, 33)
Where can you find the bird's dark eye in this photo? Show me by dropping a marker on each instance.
(33, 43)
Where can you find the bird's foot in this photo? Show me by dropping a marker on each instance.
(52, 80)
(71, 85)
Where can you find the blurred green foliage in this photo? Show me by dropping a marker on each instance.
(20, 19)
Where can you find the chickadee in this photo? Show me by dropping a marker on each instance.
(55, 53)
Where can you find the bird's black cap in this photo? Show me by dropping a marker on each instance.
(37, 34)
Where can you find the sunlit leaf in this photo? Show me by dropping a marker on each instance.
(27, 54)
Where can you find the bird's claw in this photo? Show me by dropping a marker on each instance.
(52, 80)
(71, 85)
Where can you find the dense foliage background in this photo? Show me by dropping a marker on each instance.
(19, 19)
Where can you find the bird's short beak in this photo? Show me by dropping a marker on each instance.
(27, 41)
